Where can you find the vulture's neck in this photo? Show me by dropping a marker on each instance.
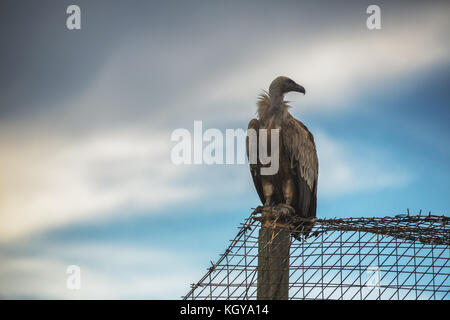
(272, 111)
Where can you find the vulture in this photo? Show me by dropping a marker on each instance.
(294, 185)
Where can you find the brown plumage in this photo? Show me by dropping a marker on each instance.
(294, 186)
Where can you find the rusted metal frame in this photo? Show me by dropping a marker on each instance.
(322, 276)
(432, 279)
(228, 250)
(415, 282)
(363, 298)
(242, 258)
(308, 268)
(390, 269)
(359, 263)
(232, 255)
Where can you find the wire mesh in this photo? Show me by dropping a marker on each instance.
(383, 258)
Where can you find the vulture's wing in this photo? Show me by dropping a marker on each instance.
(255, 168)
(301, 149)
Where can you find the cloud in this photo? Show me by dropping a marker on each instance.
(54, 182)
(107, 272)
(350, 168)
(336, 66)
(144, 80)
(59, 182)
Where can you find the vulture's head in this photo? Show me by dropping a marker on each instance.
(282, 85)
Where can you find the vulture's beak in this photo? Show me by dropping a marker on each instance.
(299, 88)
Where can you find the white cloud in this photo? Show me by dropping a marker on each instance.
(333, 65)
(49, 185)
(345, 168)
(107, 272)
(336, 66)
(54, 183)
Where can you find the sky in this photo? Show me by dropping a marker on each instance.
(86, 118)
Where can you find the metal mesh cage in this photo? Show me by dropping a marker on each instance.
(387, 258)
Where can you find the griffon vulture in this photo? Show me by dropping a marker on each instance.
(294, 186)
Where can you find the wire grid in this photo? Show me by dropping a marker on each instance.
(385, 258)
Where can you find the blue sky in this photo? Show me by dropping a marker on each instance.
(86, 118)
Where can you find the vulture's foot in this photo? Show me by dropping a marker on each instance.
(268, 208)
(285, 209)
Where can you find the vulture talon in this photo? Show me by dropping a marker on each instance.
(286, 209)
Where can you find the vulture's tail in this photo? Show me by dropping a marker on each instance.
(301, 230)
